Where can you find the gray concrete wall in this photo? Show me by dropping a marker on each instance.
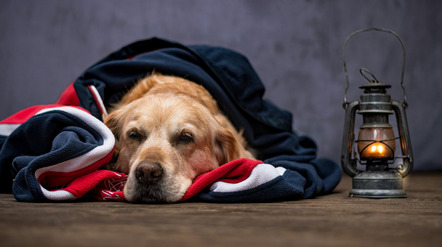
(295, 47)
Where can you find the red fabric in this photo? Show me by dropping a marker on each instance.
(69, 97)
(23, 115)
(101, 184)
(232, 172)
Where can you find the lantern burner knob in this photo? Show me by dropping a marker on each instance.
(373, 85)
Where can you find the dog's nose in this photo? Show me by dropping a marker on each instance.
(148, 172)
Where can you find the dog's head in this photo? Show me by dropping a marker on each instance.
(165, 139)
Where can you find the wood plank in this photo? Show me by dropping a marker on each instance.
(331, 220)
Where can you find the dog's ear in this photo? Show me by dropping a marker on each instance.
(230, 144)
(112, 122)
(226, 146)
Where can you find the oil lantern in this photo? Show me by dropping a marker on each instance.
(386, 164)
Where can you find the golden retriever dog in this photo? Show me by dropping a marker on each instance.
(169, 130)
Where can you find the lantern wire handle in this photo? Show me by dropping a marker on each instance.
(345, 104)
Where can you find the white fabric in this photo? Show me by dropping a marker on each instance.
(7, 129)
(261, 174)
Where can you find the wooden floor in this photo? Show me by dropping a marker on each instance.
(331, 220)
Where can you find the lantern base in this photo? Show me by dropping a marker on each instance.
(378, 184)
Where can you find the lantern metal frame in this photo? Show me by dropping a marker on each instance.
(378, 180)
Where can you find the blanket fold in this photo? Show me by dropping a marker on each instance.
(51, 152)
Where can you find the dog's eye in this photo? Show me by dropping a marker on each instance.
(135, 135)
(185, 137)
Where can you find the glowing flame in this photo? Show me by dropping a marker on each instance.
(380, 148)
(377, 147)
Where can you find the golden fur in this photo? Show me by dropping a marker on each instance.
(169, 130)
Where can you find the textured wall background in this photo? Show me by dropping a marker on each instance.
(295, 47)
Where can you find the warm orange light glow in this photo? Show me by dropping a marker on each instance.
(370, 145)
(380, 148)
(377, 148)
